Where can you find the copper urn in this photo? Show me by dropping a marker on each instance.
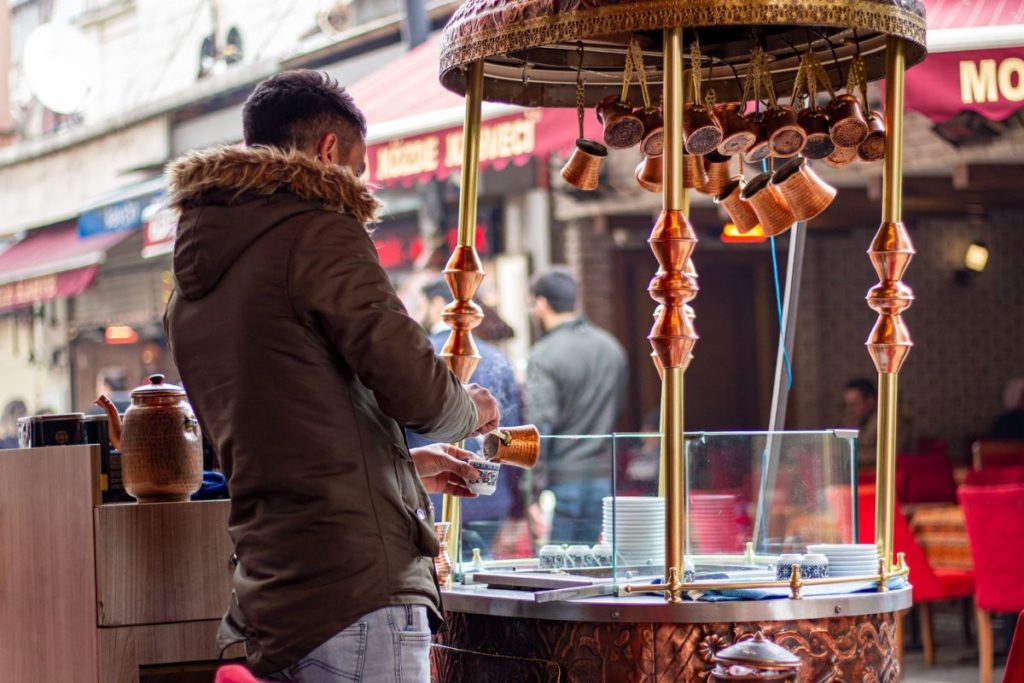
(160, 443)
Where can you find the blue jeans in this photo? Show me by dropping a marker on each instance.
(389, 645)
(578, 512)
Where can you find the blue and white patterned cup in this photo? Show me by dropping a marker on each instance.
(784, 569)
(814, 566)
(488, 480)
(553, 557)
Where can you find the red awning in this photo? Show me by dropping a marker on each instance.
(976, 60)
(51, 263)
(415, 124)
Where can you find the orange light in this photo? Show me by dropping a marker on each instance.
(732, 234)
(120, 334)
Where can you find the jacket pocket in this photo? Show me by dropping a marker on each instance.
(416, 505)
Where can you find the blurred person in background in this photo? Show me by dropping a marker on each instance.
(575, 385)
(860, 412)
(1010, 424)
(13, 411)
(484, 517)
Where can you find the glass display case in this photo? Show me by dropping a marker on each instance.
(751, 498)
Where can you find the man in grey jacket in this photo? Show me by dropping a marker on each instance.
(575, 384)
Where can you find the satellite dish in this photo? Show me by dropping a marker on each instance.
(60, 64)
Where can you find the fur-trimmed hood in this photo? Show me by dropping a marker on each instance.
(230, 197)
(264, 171)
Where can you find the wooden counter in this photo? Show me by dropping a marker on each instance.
(92, 592)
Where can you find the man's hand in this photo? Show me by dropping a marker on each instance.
(443, 469)
(488, 414)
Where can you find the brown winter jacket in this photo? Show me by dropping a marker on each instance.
(303, 368)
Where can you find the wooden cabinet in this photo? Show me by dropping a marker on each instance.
(90, 593)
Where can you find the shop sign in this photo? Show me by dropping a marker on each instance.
(990, 82)
(118, 217)
(441, 152)
(46, 287)
(28, 292)
(160, 223)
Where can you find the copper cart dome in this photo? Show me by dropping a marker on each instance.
(529, 47)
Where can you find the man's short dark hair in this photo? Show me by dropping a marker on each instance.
(558, 287)
(295, 109)
(438, 288)
(865, 386)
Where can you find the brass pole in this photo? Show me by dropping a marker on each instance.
(464, 274)
(471, 155)
(889, 341)
(672, 337)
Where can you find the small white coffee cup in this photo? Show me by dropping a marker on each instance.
(487, 482)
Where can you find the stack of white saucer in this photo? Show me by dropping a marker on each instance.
(849, 559)
(638, 531)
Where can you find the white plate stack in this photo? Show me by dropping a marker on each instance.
(849, 559)
(638, 531)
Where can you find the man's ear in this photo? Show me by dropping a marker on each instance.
(327, 149)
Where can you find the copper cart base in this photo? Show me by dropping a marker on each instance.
(477, 647)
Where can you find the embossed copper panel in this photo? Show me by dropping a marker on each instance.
(529, 46)
(861, 648)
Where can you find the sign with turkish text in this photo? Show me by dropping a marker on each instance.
(990, 82)
(34, 290)
(508, 139)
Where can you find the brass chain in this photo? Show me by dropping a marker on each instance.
(641, 71)
(627, 73)
(580, 95)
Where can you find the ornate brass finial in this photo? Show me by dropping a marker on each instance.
(890, 253)
(673, 240)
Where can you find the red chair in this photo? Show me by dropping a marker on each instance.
(925, 478)
(995, 476)
(1015, 661)
(994, 516)
(235, 673)
(929, 584)
(987, 453)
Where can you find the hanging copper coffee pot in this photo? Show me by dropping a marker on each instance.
(785, 136)
(653, 142)
(813, 119)
(622, 128)
(741, 214)
(648, 174)
(717, 173)
(759, 150)
(805, 192)
(738, 132)
(873, 147)
(814, 122)
(583, 169)
(849, 127)
(161, 447)
(773, 211)
(842, 156)
(694, 173)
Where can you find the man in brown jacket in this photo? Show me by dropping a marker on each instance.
(304, 368)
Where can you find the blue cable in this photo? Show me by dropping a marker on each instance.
(778, 308)
(778, 302)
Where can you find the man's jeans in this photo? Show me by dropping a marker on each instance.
(390, 645)
(578, 511)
